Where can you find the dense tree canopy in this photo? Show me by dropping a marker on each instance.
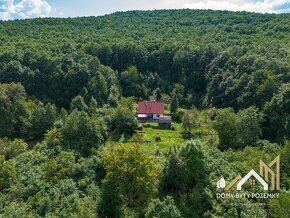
(70, 142)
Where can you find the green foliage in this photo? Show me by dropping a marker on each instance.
(184, 176)
(16, 209)
(132, 174)
(253, 211)
(21, 117)
(128, 102)
(110, 204)
(98, 88)
(165, 208)
(63, 199)
(13, 111)
(285, 164)
(131, 82)
(178, 90)
(189, 122)
(93, 106)
(91, 169)
(277, 115)
(280, 207)
(125, 120)
(60, 167)
(79, 104)
(83, 133)
(248, 158)
(267, 88)
(249, 126)
(238, 130)
(42, 119)
(216, 66)
(7, 173)
(178, 115)
(231, 59)
(174, 103)
(226, 126)
(183, 169)
(114, 96)
(10, 149)
(54, 137)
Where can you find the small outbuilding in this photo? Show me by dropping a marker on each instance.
(165, 122)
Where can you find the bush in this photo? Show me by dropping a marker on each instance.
(82, 132)
(173, 127)
(11, 149)
(125, 120)
(178, 115)
(238, 130)
(161, 209)
(7, 173)
(183, 169)
(42, 119)
(13, 123)
(158, 138)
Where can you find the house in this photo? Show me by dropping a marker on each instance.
(150, 110)
(165, 122)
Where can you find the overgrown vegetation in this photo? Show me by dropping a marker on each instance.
(71, 145)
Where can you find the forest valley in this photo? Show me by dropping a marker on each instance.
(70, 142)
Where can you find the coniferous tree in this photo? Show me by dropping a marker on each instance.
(114, 96)
(174, 104)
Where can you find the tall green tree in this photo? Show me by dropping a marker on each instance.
(162, 208)
(238, 130)
(268, 87)
(277, 124)
(125, 120)
(10, 149)
(174, 103)
(93, 106)
(183, 169)
(7, 172)
(114, 96)
(189, 122)
(132, 174)
(82, 132)
(42, 119)
(13, 110)
(78, 103)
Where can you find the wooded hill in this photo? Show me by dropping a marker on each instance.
(70, 143)
(212, 58)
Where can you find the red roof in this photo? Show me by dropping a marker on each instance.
(150, 107)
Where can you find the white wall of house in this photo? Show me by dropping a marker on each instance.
(157, 116)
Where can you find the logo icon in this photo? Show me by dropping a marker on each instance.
(221, 183)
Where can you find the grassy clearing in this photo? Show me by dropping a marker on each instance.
(168, 137)
(146, 138)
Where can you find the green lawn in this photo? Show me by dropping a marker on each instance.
(169, 138)
(146, 138)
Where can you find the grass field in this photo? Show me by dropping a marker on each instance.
(146, 138)
(168, 137)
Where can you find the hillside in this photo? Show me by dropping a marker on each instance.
(72, 143)
(192, 47)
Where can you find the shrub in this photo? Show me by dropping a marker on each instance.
(165, 208)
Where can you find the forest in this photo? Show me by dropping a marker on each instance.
(70, 142)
